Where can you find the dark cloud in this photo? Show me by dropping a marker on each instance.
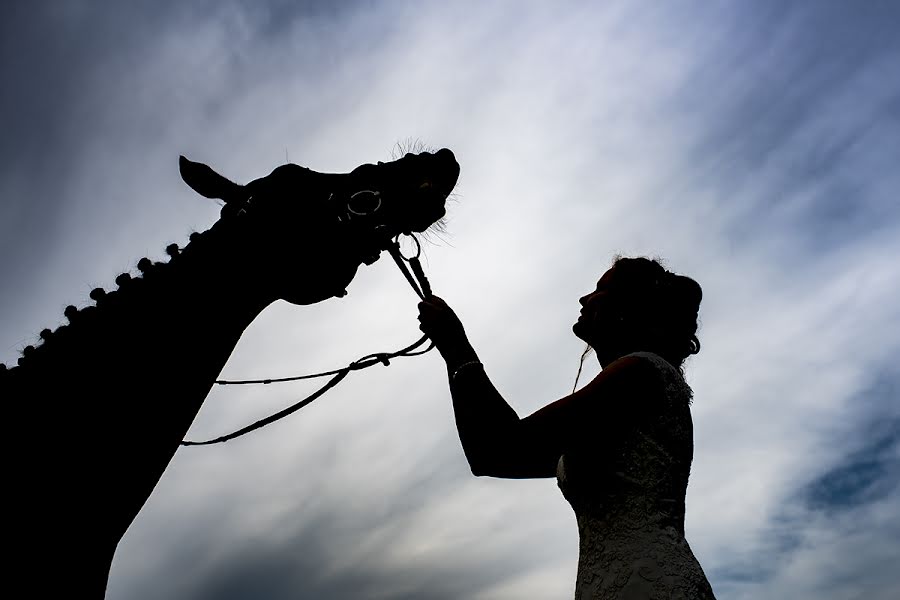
(797, 98)
(325, 551)
(845, 491)
(298, 570)
(82, 79)
(56, 56)
(871, 471)
(53, 57)
(864, 477)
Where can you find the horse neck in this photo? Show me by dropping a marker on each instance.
(110, 395)
(199, 302)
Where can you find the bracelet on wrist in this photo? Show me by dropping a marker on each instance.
(463, 367)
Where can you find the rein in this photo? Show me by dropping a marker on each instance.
(419, 284)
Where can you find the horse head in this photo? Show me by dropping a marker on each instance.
(324, 225)
(402, 196)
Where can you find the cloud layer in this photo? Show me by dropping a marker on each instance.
(751, 146)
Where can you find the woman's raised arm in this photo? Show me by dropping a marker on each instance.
(497, 442)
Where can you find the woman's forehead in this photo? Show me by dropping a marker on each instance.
(606, 279)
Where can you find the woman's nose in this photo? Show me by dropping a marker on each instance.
(583, 300)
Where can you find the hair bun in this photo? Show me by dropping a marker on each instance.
(685, 291)
(666, 303)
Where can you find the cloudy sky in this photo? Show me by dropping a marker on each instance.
(753, 145)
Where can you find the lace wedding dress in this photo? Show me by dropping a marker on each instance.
(629, 504)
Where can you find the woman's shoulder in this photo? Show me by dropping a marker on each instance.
(666, 373)
(639, 375)
(650, 358)
(639, 365)
(627, 377)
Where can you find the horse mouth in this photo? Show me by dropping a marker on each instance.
(434, 188)
(423, 226)
(415, 186)
(427, 214)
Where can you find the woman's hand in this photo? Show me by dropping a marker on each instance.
(440, 323)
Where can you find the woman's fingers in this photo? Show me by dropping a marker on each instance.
(431, 307)
(435, 316)
(433, 302)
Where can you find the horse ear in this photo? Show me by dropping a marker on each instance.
(206, 182)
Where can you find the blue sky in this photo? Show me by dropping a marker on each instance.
(753, 146)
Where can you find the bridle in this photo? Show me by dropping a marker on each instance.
(354, 212)
(356, 217)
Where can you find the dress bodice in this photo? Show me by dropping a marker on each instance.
(628, 497)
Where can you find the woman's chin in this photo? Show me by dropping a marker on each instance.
(579, 330)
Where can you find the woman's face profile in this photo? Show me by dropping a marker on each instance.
(595, 311)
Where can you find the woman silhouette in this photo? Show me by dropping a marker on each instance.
(621, 447)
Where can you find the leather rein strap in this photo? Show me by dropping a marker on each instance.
(419, 284)
(423, 289)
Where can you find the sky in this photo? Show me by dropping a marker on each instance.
(753, 146)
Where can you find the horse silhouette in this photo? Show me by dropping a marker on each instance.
(98, 409)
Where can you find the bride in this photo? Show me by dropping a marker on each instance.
(620, 448)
